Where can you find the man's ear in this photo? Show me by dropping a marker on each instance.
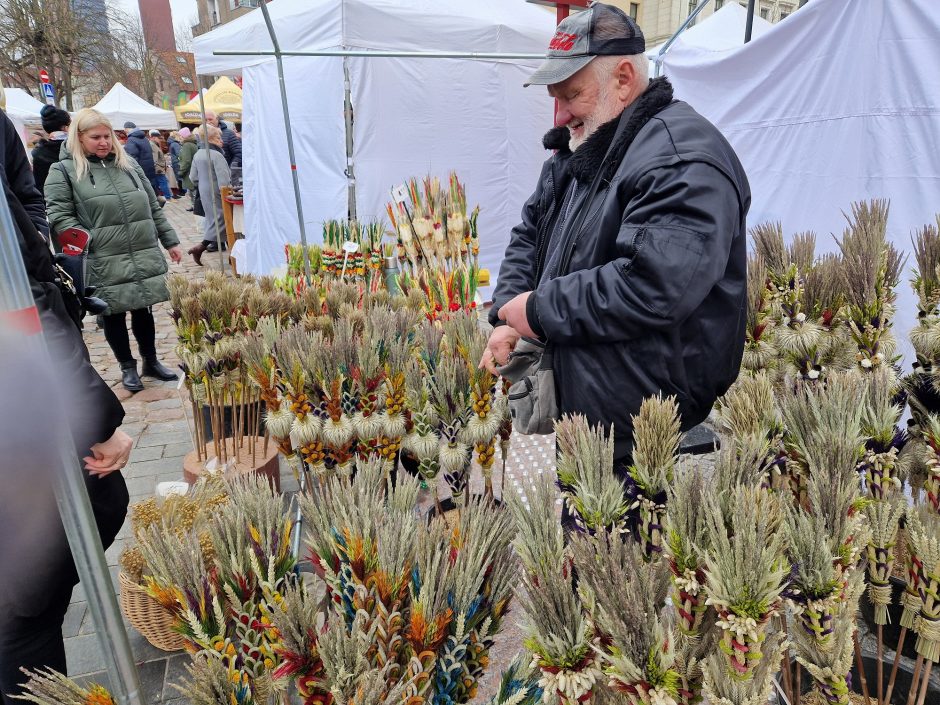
(625, 74)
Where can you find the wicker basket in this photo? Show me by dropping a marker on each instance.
(148, 616)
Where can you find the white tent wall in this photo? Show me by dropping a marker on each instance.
(465, 117)
(315, 103)
(839, 103)
(412, 116)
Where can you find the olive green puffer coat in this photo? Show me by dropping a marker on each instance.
(127, 226)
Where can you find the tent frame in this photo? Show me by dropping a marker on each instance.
(279, 54)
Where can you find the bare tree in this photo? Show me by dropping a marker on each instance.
(50, 35)
(130, 52)
(184, 34)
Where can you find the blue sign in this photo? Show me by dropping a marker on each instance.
(49, 92)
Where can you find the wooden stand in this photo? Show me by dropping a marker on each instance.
(266, 462)
(228, 215)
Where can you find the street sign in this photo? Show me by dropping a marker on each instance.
(44, 76)
(49, 92)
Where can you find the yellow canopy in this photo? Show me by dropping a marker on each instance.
(223, 98)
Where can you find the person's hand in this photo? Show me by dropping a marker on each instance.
(110, 455)
(176, 254)
(513, 312)
(502, 341)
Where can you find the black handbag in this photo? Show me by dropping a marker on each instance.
(198, 208)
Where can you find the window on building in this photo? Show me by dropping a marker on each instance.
(784, 15)
(634, 9)
(187, 80)
(692, 5)
(765, 13)
(180, 60)
(719, 4)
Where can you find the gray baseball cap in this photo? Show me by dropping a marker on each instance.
(601, 30)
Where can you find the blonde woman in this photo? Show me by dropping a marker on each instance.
(99, 188)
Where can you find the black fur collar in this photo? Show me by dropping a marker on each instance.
(585, 162)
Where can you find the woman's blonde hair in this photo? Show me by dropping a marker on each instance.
(88, 119)
(210, 133)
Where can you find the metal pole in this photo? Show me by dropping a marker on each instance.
(348, 115)
(290, 139)
(748, 28)
(212, 183)
(481, 56)
(18, 309)
(658, 61)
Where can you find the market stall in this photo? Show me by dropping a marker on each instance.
(121, 105)
(824, 120)
(224, 98)
(407, 111)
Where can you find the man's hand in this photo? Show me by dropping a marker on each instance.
(111, 455)
(513, 312)
(176, 254)
(502, 341)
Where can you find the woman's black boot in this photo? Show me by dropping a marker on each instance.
(154, 368)
(129, 377)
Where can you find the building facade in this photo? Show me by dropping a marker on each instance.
(212, 13)
(659, 19)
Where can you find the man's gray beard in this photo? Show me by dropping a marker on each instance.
(608, 107)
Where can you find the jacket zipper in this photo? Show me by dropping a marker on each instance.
(127, 220)
(540, 240)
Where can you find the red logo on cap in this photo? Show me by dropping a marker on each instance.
(563, 41)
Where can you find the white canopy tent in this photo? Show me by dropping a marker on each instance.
(413, 116)
(120, 105)
(719, 32)
(21, 106)
(839, 103)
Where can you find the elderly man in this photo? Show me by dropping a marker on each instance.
(231, 143)
(630, 261)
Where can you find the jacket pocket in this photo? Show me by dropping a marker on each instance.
(662, 260)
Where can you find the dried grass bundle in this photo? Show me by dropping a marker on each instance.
(49, 687)
(720, 688)
(585, 464)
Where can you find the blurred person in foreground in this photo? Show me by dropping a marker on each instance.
(97, 188)
(175, 145)
(208, 186)
(630, 260)
(37, 573)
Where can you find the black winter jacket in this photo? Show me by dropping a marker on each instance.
(138, 146)
(231, 145)
(650, 296)
(45, 154)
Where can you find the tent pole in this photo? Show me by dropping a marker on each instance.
(749, 27)
(476, 55)
(18, 315)
(348, 115)
(658, 61)
(290, 140)
(212, 184)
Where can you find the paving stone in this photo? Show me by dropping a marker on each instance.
(139, 455)
(123, 394)
(151, 468)
(175, 673)
(177, 450)
(173, 403)
(164, 414)
(150, 673)
(83, 655)
(141, 484)
(154, 393)
(161, 438)
(74, 617)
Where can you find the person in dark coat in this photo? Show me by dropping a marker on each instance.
(630, 261)
(138, 147)
(37, 573)
(96, 187)
(47, 152)
(231, 143)
(175, 146)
